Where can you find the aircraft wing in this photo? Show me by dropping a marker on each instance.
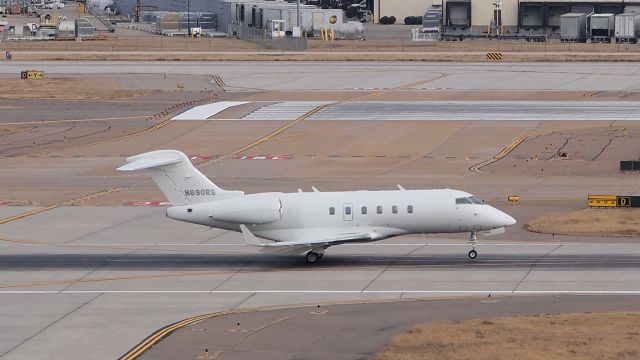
(301, 245)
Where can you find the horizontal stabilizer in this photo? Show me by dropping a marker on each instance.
(147, 163)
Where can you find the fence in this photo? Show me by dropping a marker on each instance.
(257, 41)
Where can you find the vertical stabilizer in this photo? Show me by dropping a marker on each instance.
(177, 178)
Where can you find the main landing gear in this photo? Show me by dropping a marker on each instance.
(314, 255)
(472, 240)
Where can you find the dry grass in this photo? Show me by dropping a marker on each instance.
(602, 222)
(566, 336)
(65, 88)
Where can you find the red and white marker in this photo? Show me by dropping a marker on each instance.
(263, 157)
(147, 203)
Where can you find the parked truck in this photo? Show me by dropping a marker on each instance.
(573, 27)
(601, 27)
(627, 28)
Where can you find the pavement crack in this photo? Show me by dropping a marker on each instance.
(80, 279)
(50, 325)
(236, 306)
(533, 266)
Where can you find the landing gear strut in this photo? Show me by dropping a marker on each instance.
(313, 257)
(473, 239)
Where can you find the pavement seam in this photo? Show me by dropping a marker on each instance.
(533, 266)
(50, 325)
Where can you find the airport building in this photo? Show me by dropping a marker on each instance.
(476, 16)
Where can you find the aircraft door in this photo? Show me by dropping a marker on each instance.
(347, 213)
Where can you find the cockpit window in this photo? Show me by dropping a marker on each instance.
(469, 200)
(476, 200)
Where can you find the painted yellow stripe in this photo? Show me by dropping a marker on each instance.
(502, 153)
(417, 83)
(20, 241)
(28, 213)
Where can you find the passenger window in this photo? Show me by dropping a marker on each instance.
(332, 211)
(410, 209)
(394, 209)
(379, 209)
(347, 210)
(364, 210)
(462, 201)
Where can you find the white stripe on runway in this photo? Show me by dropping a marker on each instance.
(288, 110)
(465, 244)
(204, 112)
(426, 292)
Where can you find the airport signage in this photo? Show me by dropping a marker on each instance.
(32, 75)
(612, 201)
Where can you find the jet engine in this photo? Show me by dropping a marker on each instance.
(241, 210)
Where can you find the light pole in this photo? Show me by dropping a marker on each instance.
(189, 18)
(298, 16)
(497, 15)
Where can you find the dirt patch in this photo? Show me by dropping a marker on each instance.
(600, 222)
(66, 88)
(565, 336)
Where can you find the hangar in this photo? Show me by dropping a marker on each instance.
(475, 16)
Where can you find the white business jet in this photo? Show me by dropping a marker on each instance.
(311, 222)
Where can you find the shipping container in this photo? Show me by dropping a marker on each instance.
(573, 27)
(601, 27)
(168, 22)
(627, 28)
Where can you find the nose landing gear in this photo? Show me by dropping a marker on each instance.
(472, 240)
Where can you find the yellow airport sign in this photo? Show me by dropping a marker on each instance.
(32, 75)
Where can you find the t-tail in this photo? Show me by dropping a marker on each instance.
(177, 178)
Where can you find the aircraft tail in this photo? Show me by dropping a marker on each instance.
(177, 178)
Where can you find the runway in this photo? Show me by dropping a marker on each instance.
(143, 271)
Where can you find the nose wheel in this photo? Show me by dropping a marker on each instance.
(473, 240)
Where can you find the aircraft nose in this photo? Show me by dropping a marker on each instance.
(506, 219)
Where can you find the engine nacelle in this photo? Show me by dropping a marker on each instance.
(241, 210)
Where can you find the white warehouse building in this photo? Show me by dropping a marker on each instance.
(476, 15)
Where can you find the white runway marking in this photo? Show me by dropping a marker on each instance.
(288, 110)
(426, 292)
(204, 112)
(342, 245)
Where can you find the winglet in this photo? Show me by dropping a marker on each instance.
(400, 187)
(315, 189)
(249, 238)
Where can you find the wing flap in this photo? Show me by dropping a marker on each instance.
(252, 240)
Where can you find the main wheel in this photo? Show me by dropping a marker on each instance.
(313, 257)
(473, 254)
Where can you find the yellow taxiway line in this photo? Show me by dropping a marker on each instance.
(502, 153)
